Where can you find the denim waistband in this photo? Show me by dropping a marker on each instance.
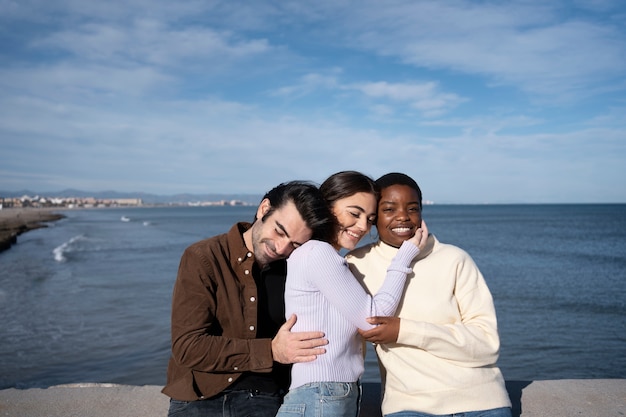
(255, 391)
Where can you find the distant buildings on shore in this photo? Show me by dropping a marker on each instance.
(67, 202)
(212, 203)
(37, 201)
(91, 202)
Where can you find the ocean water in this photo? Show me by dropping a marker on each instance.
(88, 298)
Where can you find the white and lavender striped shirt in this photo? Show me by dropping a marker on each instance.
(326, 297)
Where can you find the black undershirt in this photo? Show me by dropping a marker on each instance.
(270, 282)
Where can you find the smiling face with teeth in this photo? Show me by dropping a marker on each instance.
(355, 215)
(399, 214)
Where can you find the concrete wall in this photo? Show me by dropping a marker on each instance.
(558, 398)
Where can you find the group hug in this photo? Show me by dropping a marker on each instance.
(272, 317)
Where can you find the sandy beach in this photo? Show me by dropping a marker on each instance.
(15, 221)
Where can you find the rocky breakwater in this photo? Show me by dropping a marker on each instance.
(14, 222)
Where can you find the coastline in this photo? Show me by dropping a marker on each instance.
(542, 398)
(15, 221)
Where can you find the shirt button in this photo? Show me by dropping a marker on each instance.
(251, 328)
(252, 299)
(249, 254)
(230, 380)
(236, 368)
(247, 272)
(239, 260)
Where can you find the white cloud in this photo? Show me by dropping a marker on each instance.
(526, 44)
(149, 42)
(309, 83)
(424, 97)
(236, 96)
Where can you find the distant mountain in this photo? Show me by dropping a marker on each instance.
(146, 197)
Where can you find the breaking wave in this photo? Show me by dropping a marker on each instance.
(60, 251)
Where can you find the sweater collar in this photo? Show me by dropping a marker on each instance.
(388, 251)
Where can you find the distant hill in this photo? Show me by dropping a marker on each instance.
(146, 197)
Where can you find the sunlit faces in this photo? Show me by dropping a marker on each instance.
(355, 215)
(399, 214)
(277, 236)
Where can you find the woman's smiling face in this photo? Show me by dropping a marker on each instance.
(399, 214)
(355, 215)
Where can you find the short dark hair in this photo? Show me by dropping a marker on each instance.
(309, 202)
(397, 178)
(346, 183)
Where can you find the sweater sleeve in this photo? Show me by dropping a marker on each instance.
(473, 341)
(330, 274)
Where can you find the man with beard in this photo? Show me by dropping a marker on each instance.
(230, 342)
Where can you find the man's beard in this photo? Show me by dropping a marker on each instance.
(260, 254)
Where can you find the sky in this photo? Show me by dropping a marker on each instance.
(478, 101)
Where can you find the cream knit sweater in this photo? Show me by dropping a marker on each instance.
(444, 361)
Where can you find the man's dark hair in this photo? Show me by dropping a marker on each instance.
(309, 202)
(397, 178)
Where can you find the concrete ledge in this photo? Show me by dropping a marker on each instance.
(556, 398)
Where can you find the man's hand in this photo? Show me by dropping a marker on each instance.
(288, 347)
(386, 331)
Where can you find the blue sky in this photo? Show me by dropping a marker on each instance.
(479, 101)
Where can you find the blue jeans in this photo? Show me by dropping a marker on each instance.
(495, 412)
(336, 399)
(244, 403)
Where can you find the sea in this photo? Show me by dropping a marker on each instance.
(87, 299)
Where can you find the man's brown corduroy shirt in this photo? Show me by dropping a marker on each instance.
(214, 319)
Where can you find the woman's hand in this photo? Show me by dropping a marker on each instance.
(420, 237)
(386, 330)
